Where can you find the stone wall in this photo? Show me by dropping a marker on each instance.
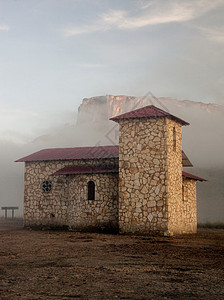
(182, 215)
(150, 179)
(142, 176)
(67, 204)
(101, 213)
(174, 177)
(189, 206)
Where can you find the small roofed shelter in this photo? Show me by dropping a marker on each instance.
(136, 186)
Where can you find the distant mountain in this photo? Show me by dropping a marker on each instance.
(118, 104)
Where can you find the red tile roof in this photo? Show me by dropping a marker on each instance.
(99, 152)
(75, 170)
(148, 112)
(188, 175)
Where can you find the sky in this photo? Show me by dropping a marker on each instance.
(54, 53)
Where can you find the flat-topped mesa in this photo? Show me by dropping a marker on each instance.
(150, 173)
(114, 104)
(99, 109)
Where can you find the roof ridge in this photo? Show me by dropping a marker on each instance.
(82, 147)
(160, 110)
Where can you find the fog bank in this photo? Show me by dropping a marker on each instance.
(202, 142)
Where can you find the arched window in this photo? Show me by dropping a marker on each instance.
(174, 139)
(91, 190)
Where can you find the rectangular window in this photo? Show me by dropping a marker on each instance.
(174, 139)
(183, 192)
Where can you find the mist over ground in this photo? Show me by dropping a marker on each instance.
(202, 142)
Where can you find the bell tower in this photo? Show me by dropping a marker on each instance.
(150, 171)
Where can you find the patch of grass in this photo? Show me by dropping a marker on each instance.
(216, 225)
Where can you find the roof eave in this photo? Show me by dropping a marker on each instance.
(84, 173)
(62, 159)
(192, 177)
(182, 122)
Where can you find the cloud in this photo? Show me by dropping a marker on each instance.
(91, 65)
(4, 28)
(148, 14)
(80, 30)
(214, 34)
(145, 4)
(15, 124)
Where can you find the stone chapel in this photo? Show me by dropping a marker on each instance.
(136, 187)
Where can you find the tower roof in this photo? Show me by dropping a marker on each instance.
(149, 111)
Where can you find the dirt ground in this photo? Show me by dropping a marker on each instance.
(69, 265)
